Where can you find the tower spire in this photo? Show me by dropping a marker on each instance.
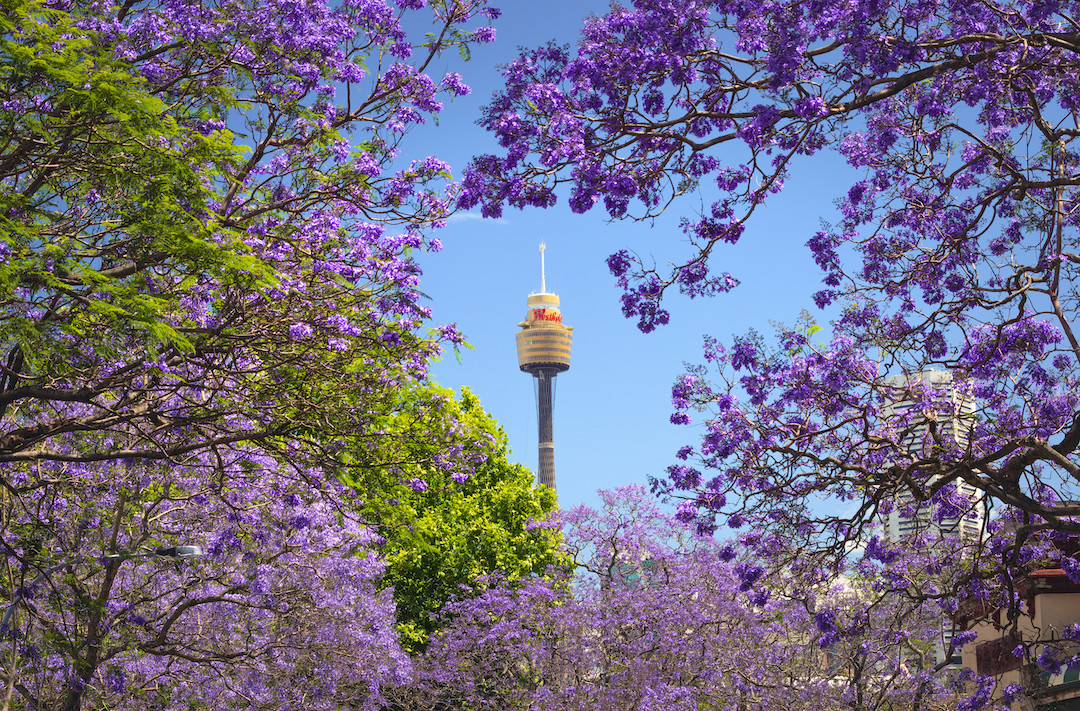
(543, 287)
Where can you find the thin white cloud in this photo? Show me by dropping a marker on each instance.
(467, 216)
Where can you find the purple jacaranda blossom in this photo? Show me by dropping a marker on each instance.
(227, 265)
(645, 578)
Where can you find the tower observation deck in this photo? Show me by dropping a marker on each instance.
(543, 347)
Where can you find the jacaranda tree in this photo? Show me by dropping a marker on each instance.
(208, 306)
(281, 611)
(207, 231)
(659, 616)
(312, 586)
(956, 250)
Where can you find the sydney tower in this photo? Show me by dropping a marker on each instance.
(543, 346)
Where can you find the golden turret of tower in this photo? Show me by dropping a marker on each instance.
(543, 341)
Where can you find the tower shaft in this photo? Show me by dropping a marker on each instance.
(545, 379)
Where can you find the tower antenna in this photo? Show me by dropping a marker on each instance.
(543, 287)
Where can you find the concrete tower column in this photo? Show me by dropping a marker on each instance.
(545, 379)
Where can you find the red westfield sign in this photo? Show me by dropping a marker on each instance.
(543, 315)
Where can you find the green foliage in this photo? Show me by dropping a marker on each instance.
(93, 163)
(197, 246)
(439, 540)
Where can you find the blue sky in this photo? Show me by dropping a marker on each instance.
(612, 406)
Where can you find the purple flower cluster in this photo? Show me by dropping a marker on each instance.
(287, 585)
(243, 238)
(668, 614)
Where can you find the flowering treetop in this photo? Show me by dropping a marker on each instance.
(204, 236)
(661, 617)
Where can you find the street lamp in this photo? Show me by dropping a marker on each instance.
(173, 552)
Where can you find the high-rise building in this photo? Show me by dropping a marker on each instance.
(952, 414)
(944, 421)
(543, 347)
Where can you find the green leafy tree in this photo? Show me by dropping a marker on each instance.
(442, 530)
